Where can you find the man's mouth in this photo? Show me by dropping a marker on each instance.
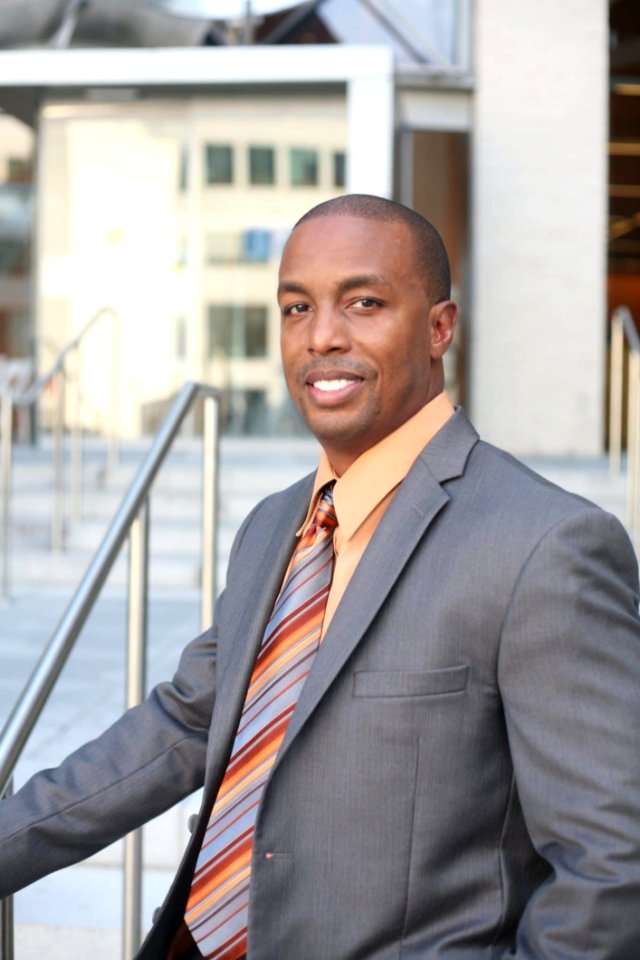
(327, 390)
(330, 386)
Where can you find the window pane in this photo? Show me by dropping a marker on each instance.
(255, 332)
(234, 330)
(246, 412)
(223, 247)
(339, 169)
(256, 246)
(183, 170)
(218, 163)
(219, 331)
(16, 213)
(304, 167)
(262, 167)
(18, 170)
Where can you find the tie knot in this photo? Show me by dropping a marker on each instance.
(325, 511)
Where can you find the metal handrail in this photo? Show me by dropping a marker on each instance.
(623, 332)
(30, 397)
(130, 520)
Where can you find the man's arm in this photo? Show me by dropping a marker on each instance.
(149, 759)
(569, 673)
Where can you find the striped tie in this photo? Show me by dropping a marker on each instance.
(217, 909)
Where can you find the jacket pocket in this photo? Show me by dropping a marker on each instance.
(409, 683)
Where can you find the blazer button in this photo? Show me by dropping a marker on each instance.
(191, 822)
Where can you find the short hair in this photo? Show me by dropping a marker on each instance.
(429, 250)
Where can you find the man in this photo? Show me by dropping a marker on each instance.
(456, 774)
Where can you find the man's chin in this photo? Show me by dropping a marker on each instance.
(340, 433)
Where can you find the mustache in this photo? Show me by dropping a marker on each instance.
(355, 367)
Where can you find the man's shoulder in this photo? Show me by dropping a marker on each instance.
(524, 506)
(496, 482)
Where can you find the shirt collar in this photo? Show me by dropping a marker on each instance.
(379, 469)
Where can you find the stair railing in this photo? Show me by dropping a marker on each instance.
(57, 375)
(131, 521)
(625, 341)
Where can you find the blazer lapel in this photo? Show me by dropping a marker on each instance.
(418, 501)
(256, 585)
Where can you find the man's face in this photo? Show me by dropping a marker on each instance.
(361, 341)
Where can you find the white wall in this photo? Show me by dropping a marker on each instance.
(539, 208)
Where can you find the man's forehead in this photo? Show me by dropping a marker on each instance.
(331, 222)
(324, 234)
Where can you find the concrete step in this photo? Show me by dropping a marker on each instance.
(33, 510)
(77, 914)
(44, 568)
(250, 470)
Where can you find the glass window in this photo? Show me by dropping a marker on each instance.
(182, 253)
(418, 31)
(16, 225)
(245, 412)
(14, 258)
(339, 169)
(223, 247)
(218, 163)
(18, 170)
(304, 167)
(256, 246)
(219, 331)
(183, 170)
(262, 165)
(236, 331)
(255, 332)
(250, 246)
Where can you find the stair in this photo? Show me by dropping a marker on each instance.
(250, 469)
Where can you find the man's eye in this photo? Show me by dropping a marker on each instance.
(294, 309)
(366, 302)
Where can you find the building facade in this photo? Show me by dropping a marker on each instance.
(168, 178)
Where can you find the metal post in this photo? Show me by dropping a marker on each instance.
(77, 438)
(210, 468)
(616, 369)
(76, 445)
(136, 681)
(633, 442)
(6, 421)
(247, 24)
(57, 520)
(6, 913)
(113, 443)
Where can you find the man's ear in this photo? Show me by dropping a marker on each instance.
(442, 321)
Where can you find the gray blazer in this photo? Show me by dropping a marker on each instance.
(461, 776)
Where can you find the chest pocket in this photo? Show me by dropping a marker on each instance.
(410, 683)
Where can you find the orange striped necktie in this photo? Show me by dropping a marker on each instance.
(218, 905)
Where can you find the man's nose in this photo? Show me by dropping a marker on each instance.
(328, 331)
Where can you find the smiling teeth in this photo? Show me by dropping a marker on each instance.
(331, 385)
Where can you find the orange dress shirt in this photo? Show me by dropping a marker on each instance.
(363, 493)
